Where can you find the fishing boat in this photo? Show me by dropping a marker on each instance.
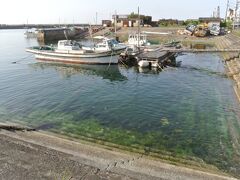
(30, 33)
(68, 51)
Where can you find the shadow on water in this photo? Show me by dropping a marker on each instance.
(111, 72)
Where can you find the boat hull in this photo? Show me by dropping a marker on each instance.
(77, 57)
(80, 60)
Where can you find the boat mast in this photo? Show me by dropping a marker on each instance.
(90, 31)
(138, 28)
(96, 18)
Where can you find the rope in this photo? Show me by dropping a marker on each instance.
(160, 67)
(110, 60)
(21, 59)
(126, 66)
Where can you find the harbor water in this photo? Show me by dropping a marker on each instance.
(189, 112)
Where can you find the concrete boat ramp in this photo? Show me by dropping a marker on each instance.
(40, 155)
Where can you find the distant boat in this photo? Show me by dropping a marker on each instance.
(69, 51)
(30, 33)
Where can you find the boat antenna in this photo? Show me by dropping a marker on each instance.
(65, 34)
(138, 27)
(96, 18)
(90, 31)
(115, 24)
(59, 22)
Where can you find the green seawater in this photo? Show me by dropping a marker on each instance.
(189, 112)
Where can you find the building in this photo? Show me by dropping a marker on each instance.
(125, 21)
(230, 15)
(106, 23)
(131, 20)
(154, 24)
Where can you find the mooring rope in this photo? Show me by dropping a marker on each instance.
(21, 59)
(126, 66)
(110, 60)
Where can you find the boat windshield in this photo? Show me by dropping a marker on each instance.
(113, 41)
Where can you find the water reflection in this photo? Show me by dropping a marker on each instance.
(111, 72)
(152, 70)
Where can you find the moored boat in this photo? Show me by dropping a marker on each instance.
(30, 33)
(69, 51)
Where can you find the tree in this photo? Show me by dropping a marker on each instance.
(188, 22)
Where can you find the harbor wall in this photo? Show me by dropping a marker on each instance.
(55, 34)
(52, 34)
(37, 26)
(231, 59)
(51, 156)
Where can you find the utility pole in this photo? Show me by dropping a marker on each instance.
(227, 10)
(218, 12)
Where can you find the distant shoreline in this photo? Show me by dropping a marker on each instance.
(29, 26)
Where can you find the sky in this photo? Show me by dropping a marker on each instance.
(84, 11)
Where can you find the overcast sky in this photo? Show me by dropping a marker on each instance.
(84, 11)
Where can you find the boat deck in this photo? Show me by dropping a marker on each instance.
(157, 55)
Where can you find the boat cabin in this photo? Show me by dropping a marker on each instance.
(68, 45)
(104, 45)
(108, 44)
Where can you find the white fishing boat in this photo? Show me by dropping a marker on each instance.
(69, 51)
(30, 33)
